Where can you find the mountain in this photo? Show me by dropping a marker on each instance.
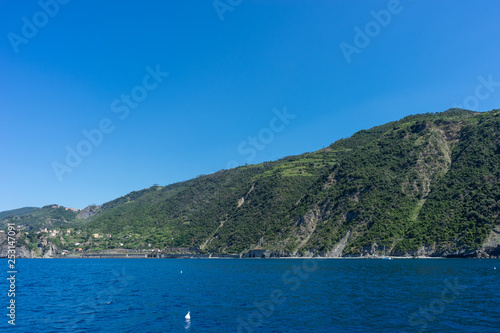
(50, 216)
(17, 212)
(424, 185)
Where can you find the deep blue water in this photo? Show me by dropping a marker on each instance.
(282, 295)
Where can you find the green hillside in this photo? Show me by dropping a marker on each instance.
(424, 185)
(17, 212)
(50, 216)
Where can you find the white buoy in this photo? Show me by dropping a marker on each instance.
(181, 272)
(188, 316)
(494, 268)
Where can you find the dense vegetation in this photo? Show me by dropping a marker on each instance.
(425, 181)
(16, 212)
(50, 216)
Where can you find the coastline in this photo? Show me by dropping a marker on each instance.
(237, 257)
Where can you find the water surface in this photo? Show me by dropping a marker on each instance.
(254, 295)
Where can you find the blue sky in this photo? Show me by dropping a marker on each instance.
(168, 90)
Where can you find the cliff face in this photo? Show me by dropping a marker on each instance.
(88, 212)
(43, 248)
(491, 246)
(21, 252)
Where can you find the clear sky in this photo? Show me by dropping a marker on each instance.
(101, 98)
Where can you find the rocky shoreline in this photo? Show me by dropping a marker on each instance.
(53, 253)
(46, 249)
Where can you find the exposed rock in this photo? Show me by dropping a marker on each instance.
(21, 252)
(280, 254)
(339, 247)
(88, 212)
(50, 251)
(241, 201)
(306, 226)
(491, 246)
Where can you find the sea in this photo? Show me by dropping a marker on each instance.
(252, 295)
